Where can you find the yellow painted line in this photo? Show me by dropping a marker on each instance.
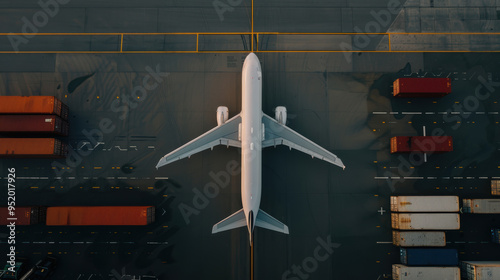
(197, 41)
(34, 187)
(96, 187)
(165, 226)
(232, 51)
(150, 188)
(248, 33)
(390, 42)
(97, 167)
(121, 43)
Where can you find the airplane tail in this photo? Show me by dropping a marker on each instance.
(266, 221)
(238, 219)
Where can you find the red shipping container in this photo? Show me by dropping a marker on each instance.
(24, 215)
(46, 124)
(32, 148)
(100, 215)
(426, 144)
(421, 87)
(33, 105)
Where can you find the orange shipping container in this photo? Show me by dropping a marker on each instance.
(100, 215)
(33, 105)
(32, 147)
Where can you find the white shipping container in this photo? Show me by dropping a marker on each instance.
(481, 270)
(419, 238)
(481, 206)
(425, 204)
(402, 272)
(411, 221)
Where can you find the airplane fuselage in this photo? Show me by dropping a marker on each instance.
(251, 139)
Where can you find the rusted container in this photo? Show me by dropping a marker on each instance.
(425, 144)
(100, 215)
(38, 124)
(48, 105)
(421, 87)
(32, 148)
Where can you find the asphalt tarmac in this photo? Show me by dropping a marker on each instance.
(339, 221)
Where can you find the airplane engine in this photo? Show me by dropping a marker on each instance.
(222, 115)
(280, 114)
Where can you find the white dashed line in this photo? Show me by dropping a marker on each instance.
(411, 113)
(380, 113)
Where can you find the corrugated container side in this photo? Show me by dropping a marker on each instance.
(481, 206)
(33, 105)
(100, 215)
(419, 238)
(396, 271)
(481, 270)
(434, 221)
(427, 257)
(30, 147)
(23, 215)
(425, 144)
(425, 204)
(64, 111)
(495, 187)
(34, 124)
(396, 236)
(421, 87)
(402, 272)
(395, 220)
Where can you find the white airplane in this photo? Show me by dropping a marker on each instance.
(251, 130)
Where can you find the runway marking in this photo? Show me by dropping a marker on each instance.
(495, 177)
(431, 178)
(413, 178)
(380, 113)
(381, 178)
(411, 113)
(151, 147)
(483, 177)
(161, 178)
(384, 242)
(493, 113)
(479, 113)
(430, 113)
(394, 113)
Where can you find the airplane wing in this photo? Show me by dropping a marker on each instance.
(278, 134)
(225, 134)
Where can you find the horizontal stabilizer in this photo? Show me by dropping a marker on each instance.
(265, 220)
(236, 220)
